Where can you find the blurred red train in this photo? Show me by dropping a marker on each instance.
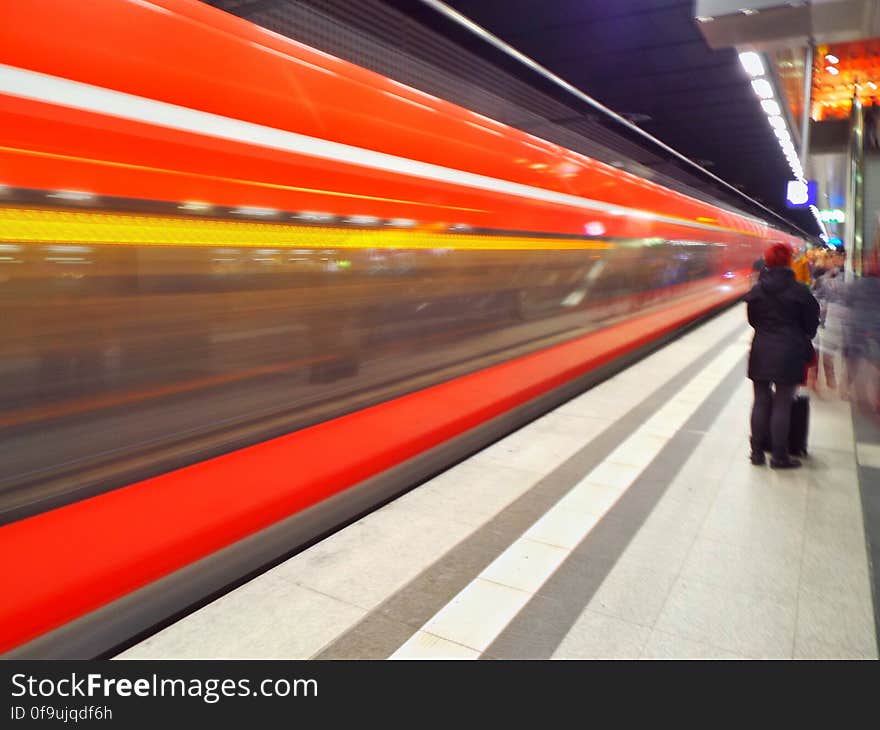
(250, 290)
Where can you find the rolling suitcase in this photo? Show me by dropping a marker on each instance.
(799, 427)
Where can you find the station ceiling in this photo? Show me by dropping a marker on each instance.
(644, 59)
(647, 60)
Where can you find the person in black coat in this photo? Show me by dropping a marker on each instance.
(784, 315)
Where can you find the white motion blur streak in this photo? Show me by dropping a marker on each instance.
(77, 95)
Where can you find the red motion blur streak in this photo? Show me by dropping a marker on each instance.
(65, 563)
(186, 53)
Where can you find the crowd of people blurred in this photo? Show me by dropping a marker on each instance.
(848, 339)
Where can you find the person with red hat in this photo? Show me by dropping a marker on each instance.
(785, 316)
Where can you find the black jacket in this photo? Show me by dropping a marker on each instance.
(785, 316)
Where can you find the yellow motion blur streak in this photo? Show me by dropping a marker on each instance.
(20, 225)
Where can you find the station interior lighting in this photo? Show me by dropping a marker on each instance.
(832, 70)
(815, 211)
(833, 215)
(831, 58)
(762, 88)
(752, 63)
(771, 106)
(754, 66)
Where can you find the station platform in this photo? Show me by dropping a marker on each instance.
(628, 523)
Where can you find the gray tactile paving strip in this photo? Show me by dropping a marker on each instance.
(384, 630)
(867, 431)
(543, 623)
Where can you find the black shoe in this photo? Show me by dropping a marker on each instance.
(785, 464)
(757, 458)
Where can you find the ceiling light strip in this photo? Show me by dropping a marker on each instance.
(481, 32)
(755, 67)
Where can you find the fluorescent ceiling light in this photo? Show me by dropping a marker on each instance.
(831, 58)
(752, 63)
(771, 107)
(762, 88)
(776, 121)
(832, 70)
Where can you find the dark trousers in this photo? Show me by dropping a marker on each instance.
(771, 414)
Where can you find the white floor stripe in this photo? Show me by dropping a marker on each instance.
(428, 646)
(478, 614)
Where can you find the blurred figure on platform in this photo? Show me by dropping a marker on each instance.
(801, 267)
(828, 289)
(872, 120)
(785, 316)
(862, 337)
(814, 260)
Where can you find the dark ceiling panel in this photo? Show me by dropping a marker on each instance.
(647, 60)
(521, 17)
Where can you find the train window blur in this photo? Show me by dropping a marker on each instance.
(106, 345)
(174, 286)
